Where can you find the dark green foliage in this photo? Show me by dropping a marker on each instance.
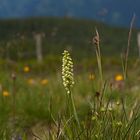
(17, 41)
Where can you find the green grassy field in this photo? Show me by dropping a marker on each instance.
(94, 99)
(34, 104)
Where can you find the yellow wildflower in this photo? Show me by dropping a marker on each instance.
(26, 69)
(91, 76)
(31, 81)
(119, 77)
(44, 82)
(5, 93)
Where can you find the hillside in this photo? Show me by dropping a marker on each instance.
(60, 33)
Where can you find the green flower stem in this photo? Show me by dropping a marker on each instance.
(68, 82)
(74, 109)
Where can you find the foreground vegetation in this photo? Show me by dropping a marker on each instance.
(101, 105)
(36, 106)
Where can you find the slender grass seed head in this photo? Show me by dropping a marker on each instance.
(13, 76)
(96, 39)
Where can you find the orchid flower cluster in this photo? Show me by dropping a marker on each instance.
(67, 71)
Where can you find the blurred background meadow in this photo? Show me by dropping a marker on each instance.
(103, 40)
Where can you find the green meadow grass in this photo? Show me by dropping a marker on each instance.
(103, 103)
(35, 105)
(40, 111)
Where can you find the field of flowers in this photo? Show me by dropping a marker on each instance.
(80, 94)
(70, 104)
